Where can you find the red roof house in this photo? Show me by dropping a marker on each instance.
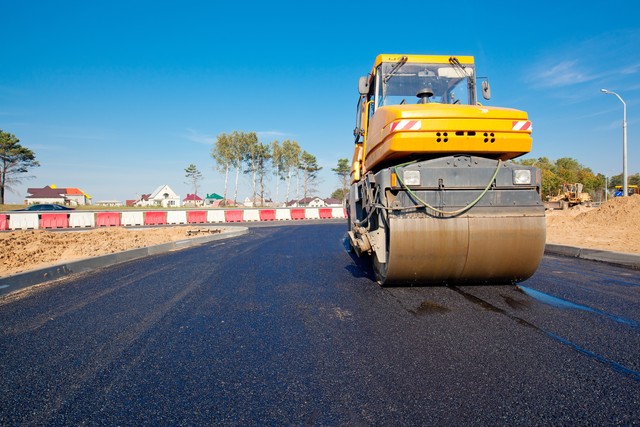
(53, 194)
(193, 200)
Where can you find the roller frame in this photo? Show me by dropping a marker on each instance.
(498, 240)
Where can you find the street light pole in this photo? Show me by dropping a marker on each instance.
(624, 141)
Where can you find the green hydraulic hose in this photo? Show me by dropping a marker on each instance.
(452, 213)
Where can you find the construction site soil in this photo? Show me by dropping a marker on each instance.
(26, 250)
(611, 227)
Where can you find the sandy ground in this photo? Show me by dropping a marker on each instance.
(612, 226)
(28, 249)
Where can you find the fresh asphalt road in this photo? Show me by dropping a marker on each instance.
(283, 326)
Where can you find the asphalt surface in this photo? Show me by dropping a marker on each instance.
(283, 326)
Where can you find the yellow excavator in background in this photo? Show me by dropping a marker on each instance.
(434, 198)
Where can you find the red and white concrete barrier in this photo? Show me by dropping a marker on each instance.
(82, 219)
(215, 216)
(24, 221)
(4, 222)
(196, 217)
(29, 220)
(108, 219)
(251, 215)
(54, 220)
(176, 217)
(132, 218)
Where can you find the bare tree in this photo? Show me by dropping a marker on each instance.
(263, 156)
(221, 153)
(239, 141)
(291, 161)
(276, 161)
(250, 157)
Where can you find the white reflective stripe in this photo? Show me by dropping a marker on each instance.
(522, 125)
(406, 125)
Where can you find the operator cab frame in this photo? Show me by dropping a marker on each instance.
(409, 82)
(416, 79)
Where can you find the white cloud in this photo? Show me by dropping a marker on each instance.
(600, 58)
(195, 136)
(564, 73)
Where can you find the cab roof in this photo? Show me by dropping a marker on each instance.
(429, 59)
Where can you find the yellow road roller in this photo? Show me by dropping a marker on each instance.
(434, 197)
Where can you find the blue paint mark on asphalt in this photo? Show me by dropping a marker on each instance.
(562, 303)
(610, 363)
(616, 282)
(617, 367)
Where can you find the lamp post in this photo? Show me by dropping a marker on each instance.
(624, 141)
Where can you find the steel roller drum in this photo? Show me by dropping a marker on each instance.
(473, 248)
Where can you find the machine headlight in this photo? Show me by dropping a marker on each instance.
(522, 176)
(411, 177)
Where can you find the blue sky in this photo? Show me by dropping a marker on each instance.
(118, 97)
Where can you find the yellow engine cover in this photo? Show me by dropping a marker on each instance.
(400, 132)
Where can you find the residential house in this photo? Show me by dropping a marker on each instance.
(310, 202)
(51, 194)
(333, 203)
(193, 200)
(162, 196)
(213, 199)
(315, 202)
(113, 203)
(257, 202)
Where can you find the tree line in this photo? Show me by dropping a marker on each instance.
(569, 170)
(241, 152)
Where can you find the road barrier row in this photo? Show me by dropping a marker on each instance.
(34, 221)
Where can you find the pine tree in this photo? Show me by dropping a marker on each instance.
(15, 160)
(194, 176)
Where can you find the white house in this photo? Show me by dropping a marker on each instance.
(162, 196)
(333, 203)
(52, 194)
(315, 202)
(311, 202)
(258, 201)
(113, 203)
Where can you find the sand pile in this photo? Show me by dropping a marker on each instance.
(622, 209)
(612, 226)
(29, 249)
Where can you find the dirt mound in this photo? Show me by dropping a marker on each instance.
(612, 226)
(623, 210)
